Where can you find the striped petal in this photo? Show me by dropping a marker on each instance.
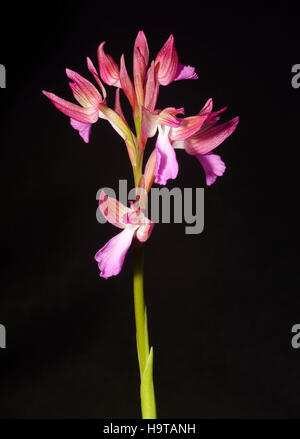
(187, 127)
(140, 62)
(167, 62)
(86, 115)
(94, 72)
(85, 88)
(206, 141)
(108, 68)
(151, 88)
(127, 86)
(112, 210)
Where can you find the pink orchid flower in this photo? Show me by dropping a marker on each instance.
(198, 135)
(86, 94)
(168, 67)
(206, 139)
(169, 128)
(132, 220)
(92, 107)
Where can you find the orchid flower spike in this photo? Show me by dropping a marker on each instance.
(134, 223)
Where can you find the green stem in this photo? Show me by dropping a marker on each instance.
(145, 355)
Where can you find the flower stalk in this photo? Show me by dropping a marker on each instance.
(145, 355)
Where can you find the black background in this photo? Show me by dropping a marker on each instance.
(220, 304)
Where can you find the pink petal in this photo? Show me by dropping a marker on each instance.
(111, 257)
(149, 122)
(185, 72)
(149, 173)
(108, 68)
(94, 72)
(205, 142)
(187, 127)
(142, 45)
(135, 217)
(213, 166)
(140, 62)
(168, 116)
(208, 106)
(113, 210)
(87, 115)
(212, 118)
(78, 95)
(84, 129)
(143, 232)
(167, 62)
(127, 86)
(141, 194)
(139, 73)
(118, 108)
(151, 88)
(86, 88)
(166, 163)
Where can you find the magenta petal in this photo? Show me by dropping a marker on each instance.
(151, 88)
(84, 129)
(166, 164)
(208, 106)
(213, 166)
(185, 72)
(86, 115)
(149, 122)
(144, 231)
(86, 88)
(94, 72)
(210, 138)
(111, 257)
(113, 210)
